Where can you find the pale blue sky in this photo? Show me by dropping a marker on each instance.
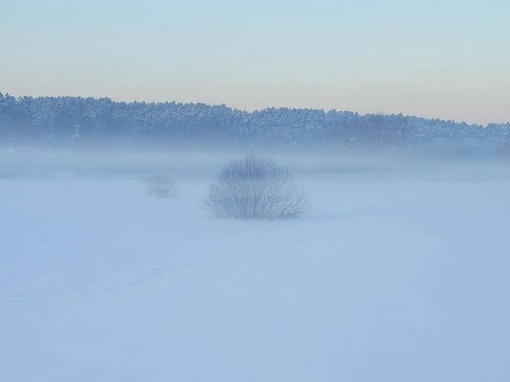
(444, 59)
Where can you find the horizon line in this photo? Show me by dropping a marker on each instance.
(256, 110)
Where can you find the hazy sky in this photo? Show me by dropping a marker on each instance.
(445, 59)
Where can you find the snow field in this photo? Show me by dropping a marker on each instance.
(389, 278)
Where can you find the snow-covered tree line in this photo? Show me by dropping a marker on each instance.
(71, 120)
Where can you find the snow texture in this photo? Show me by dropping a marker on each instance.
(395, 275)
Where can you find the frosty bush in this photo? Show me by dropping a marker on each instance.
(255, 188)
(161, 185)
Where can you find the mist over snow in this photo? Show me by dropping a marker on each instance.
(398, 272)
(269, 191)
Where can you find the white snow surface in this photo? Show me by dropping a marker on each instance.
(393, 276)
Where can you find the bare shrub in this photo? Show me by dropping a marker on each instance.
(161, 185)
(255, 188)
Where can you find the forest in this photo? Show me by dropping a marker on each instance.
(75, 121)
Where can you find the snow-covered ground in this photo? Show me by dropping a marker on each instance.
(397, 275)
